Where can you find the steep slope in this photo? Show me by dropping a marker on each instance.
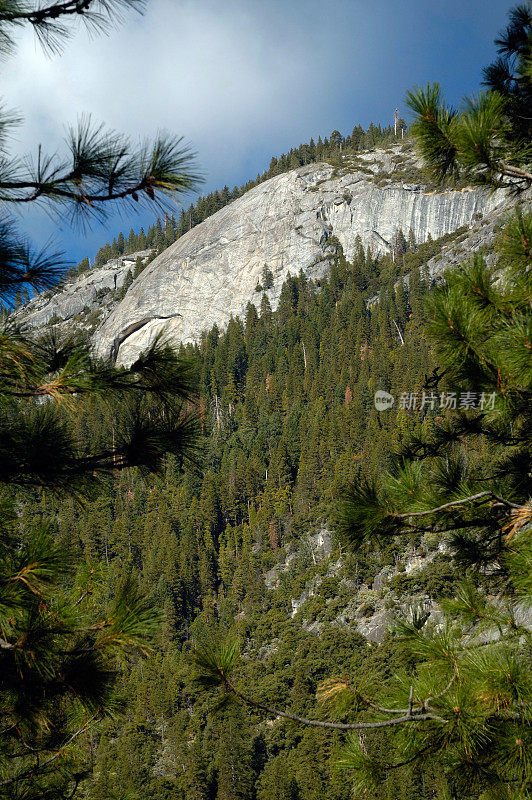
(291, 222)
(287, 416)
(91, 293)
(285, 224)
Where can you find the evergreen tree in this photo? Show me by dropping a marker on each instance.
(234, 758)
(62, 644)
(199, 540)
(458, 712)
(488, 141)
(464, 704)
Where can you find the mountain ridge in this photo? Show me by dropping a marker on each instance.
(292, 222)
(285, 225)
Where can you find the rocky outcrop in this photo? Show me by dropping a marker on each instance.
(317, 546)
(84, 294)
(287, 224)
(291, 223)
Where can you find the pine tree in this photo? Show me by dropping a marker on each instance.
(62, 647)
(234, 758)
(488, 142)
(463, 706)
(505, 75)
(141, 241)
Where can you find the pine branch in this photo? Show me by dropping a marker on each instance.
(477, 143)
(429, 700)
(516, 172)
(21, 265)
(53, 11)
(453, 503)
(424, 750)
(39, 767)
(105, 170)
(373, 705)
(411, 715)
(50, 22)
(54, 191)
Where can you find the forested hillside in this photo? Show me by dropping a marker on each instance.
(290, 560)
(238, 537)
(287, 417)
(237, 540)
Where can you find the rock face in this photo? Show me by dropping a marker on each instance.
(285, 224)
(88, 292)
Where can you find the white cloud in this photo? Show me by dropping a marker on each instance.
(215, 76)
(235, 79)
(240, 79)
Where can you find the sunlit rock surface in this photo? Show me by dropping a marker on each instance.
(290, 223)
(285, 224)
(81, 295)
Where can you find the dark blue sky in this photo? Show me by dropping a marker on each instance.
(243, 81)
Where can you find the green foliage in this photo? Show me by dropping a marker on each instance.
(142, 410)
(479, 323)
(455, 706)
(267, 278)
(60, 657)
(433, 130)
(437, 580)
(66, 635)
(287, 419)
(286, 415)
(507, 75)
(488, 141)
(215, 662)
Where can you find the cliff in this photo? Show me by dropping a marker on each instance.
(285, 224)
(83, 298)
(289, 223)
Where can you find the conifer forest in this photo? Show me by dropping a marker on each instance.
(289, 558)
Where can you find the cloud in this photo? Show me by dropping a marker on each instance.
(187, 67)
(243, 79)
